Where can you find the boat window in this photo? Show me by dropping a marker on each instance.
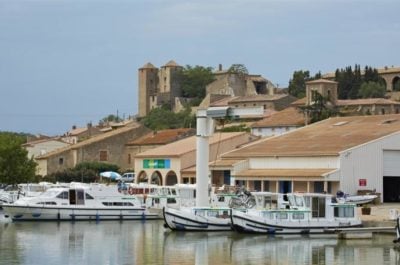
(199, 213)
(88, 196)
(63, 195)
(221, 199)
(171, 200)
(268, 215)
(80, 195)
(298, 216)
(128, 204)
(281, 216)
(344, 212)
(212, 213)
(299, 201)
(318, 207)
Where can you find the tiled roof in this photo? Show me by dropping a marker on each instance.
(288, 117)
(184, 146)
(366, 101)
(327, 137)
(326, 81)
(260, 97)
(222, 102)
(171, 63)
(214, 165)
(77, 131)
(299, 102)
(148, 66)
(163, 137)
(32, 143)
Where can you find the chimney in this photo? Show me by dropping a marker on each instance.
(73, 127)
(220, 67)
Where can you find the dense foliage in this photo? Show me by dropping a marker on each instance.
(15, 166)
(372, 90)
(297, 84)
(238, 69)
(194, 81)
(83, 172)
(110, 118)
(163, 118)
(350, 82)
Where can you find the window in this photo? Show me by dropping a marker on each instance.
(129, 159)
(63, 195)
(61, 161)
(88, 196)
(383, 111)
(281, 216)
(344, 212)
(298, 216)
(103, 155)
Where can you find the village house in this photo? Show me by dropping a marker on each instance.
(108, 147)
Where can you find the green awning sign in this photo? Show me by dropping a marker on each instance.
(156, 163)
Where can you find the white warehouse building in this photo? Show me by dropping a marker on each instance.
(344, 153)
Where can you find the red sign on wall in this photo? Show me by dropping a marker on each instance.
(362, 182)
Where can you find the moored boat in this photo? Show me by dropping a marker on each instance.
(301, 213)
(78, 202)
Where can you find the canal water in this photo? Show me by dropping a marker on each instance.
(137, 242)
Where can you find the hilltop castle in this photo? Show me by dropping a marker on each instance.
(159, 86)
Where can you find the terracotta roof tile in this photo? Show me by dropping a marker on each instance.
(288, 117)
(184, 146)
(260, 97)
(327, 137)
(163, 137)
(366, 101)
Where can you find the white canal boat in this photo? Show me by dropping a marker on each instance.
(216, 217)
(79, 202)
(301, 213)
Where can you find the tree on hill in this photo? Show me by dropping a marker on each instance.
(15, 166)
(110, 118)
(194, 81)
(238, 69)
(297, 85)
(162, 118)
(350, 82)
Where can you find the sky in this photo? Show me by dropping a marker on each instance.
(71, 62)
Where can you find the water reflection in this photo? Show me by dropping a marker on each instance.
(136, 242)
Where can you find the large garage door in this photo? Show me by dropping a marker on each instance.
(391, 173)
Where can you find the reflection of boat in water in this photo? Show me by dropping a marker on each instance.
(283, 249)
(304, 213)
(83, 202)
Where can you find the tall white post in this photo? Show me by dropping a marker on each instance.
(202, 157)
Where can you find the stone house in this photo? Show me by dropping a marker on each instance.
(108, 147)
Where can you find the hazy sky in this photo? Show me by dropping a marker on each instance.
(65, 63)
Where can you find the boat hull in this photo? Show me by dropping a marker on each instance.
(185, 220)
(40, 213)
(244, 223)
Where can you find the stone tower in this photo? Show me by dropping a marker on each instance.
(148, 88)
(169, 83)
(327, 88)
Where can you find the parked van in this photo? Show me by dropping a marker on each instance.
(128, 177)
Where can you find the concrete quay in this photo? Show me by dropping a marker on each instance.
(381, 215)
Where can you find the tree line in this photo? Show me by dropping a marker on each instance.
(352, 83)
